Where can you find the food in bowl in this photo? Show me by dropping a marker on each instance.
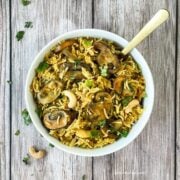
(87, 93)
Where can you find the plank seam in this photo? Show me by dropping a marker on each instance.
(10, 89)
(93, 4)
(175, 101)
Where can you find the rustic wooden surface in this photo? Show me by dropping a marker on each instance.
(177, 98)
(155, 154)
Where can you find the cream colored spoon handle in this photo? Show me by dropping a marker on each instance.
(161, 16)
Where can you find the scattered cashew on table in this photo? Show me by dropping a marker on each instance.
(36, 154)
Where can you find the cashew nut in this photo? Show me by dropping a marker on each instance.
(72, 98)
(36, 154)
(131, 105)
(117, 124)
(83, 133)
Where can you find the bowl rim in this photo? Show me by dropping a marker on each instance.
(136, 129)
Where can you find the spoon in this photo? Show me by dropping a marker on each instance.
(161, 16)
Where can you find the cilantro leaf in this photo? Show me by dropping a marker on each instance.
(113, 130)
(94, 133)
(20, 35)
(76, 64)
(26, 117)
(104, 71)
(124, 133)
(87, 43)
(26, 159)
(119, 133)
(42, 67)
(9, 82)
(38, 110)
(51, 145)
(84, 177)
(89, 83)
(25, 2)
(28, 24)
(17, 132)
(102, 123)
(126, 100)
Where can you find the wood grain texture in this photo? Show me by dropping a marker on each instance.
(50, 19)
(151, 155)
(178, 96)
(4, 90)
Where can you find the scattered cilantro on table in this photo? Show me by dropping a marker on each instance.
(20, 35)
(26, 117)
(28, 24)
(26, 159)
(17, 132)
(25, 2)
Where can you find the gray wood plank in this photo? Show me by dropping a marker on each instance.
(4, 90)
(151, 155)
(178, 99)
(50, 18)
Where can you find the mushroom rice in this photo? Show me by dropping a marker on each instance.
(87, 93)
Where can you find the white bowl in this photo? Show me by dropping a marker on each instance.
(137, 128)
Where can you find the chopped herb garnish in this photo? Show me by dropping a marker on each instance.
(38, 110)
(72, 77)
(28, 24)
(89, 83)
(113, 130)
(42, 67)
(26, 117)
(84, 177)
(131, 87)
(17, 132)
(94, 133)
(25, 2)
(76, 64)
(87, 43)
(26, 159)
(51, 145)
(20, 35)
(104, 71)
(145, 95)
(126, 100)
(9, 82)
(119, 133)
(124, 133)
(102, 123)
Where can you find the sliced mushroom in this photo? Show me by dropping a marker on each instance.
(64, 45)
(72, 98)
(73, 75)
(118, 84)
(56, 119)
(103, 96)
(83, 133)
(68, 54)
(131, 105)
(50, 92)
(106, 56)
